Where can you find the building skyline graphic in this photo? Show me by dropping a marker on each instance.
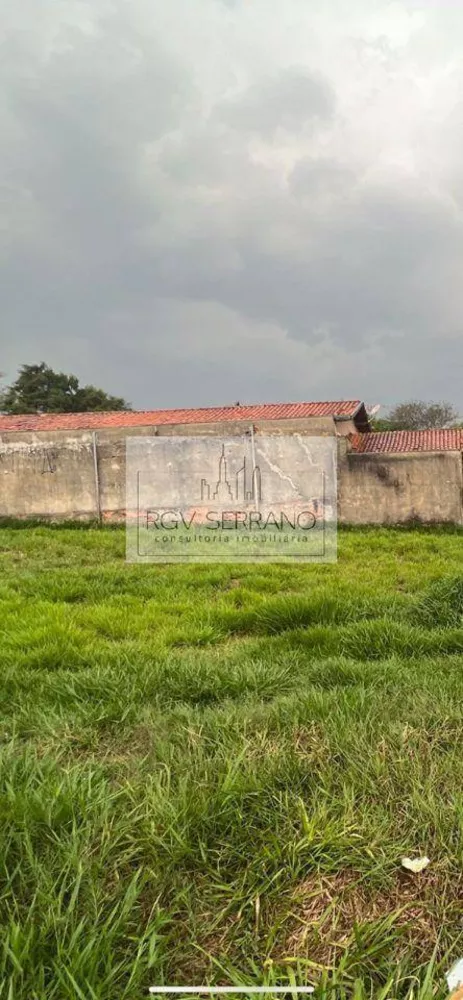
(224, 490)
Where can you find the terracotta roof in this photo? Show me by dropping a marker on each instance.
(210, 414)
(405, 441)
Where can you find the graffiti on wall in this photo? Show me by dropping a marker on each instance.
(49, 460)
(42, 461)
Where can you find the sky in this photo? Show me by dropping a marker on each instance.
(211, 201)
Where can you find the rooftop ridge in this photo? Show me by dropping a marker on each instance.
(178, 415)
(400, 442)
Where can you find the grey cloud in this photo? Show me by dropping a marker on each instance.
(373, 263)
(321, 179)
(84, 115)
(290, 100)
(141, 230)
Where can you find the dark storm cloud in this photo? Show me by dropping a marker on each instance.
(181, 228)
(82, 115)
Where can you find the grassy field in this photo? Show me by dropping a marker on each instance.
(210, 774)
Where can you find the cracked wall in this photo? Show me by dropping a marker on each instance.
(52, 475)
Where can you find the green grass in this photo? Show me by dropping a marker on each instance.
(210, 774)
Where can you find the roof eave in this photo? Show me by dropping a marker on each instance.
(359, 417)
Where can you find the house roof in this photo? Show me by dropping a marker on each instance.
(390, 442)
(340, 410)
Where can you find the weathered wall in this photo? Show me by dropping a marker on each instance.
(47, 475)
(389, 489)
(53, 475)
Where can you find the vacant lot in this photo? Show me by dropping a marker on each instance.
(212, 773)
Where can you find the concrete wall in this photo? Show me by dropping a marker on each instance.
(111, 449)
(52, 475)
(47, 475)
(390, 489)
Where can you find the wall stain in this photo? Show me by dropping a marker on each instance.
(43, 461)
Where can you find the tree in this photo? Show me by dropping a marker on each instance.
(39, 389)
(380, 424)
(417, 415)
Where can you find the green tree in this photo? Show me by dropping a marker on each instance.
(39, 389)
(417, 415)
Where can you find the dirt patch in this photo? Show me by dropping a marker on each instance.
(326, 913)
(323, 920)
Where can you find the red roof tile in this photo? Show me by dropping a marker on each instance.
(144, 418)
(390, 442)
